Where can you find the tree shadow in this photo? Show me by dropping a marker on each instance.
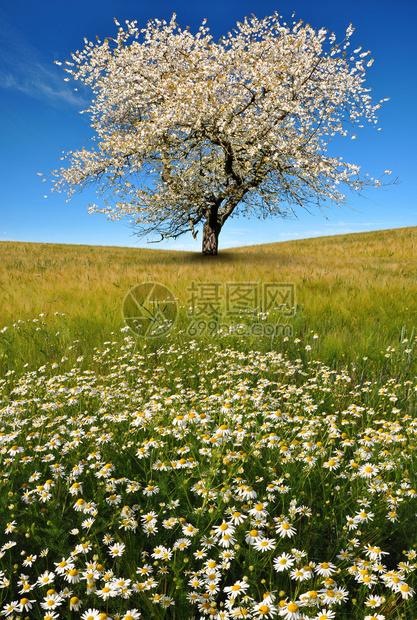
(230, 256)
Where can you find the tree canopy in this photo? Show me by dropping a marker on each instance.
(189, 131)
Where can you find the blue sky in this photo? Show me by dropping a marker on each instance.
(39, 116)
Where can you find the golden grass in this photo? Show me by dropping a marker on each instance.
(356, 291)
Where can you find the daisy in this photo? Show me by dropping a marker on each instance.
(82, 548)
(285, 529)
(108, 591)
(212, 575)
(240, 612)
(26, 587)
(195, 582)
(72, 575)
(325, 614)
(367, 580)
(283, 562)
(91, 614)
(223, 615)
(341, 595)
(9, 608)
(290, 611)
(150, 490)
(146, 569)
(114, 499)
(331, 464)
(405, 590)
(181, 544)
(299, 574)
(343, 555)
(374, 553)
(246, 492)
(310, 598)
(11, 527)
(253, 536)
(237, 518)
(75, 603)
(117, 549)
(325, 569)
(236, 589)
(264, 610)
(363, 516)
(328, 596)
(374, 601)
(158, 553)
(227, 555)
(223, 528)
(26, 604)
(227, 540)
(150, 529)
(259, 510)
(210, 564)
(149, 517)
(200, 553)
(76, 488)
(52, 601)
(28, 561)
(131, 614)
(368, 470)
(265, 544)
(63, 566)
(79, 504)
(46, 578)
(213, 588)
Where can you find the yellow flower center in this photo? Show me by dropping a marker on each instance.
(263, 609)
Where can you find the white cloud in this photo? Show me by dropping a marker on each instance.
(23, 68)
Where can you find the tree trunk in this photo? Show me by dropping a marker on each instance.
(211, 231)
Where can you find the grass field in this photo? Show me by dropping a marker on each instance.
(358, 292)
(214, 475)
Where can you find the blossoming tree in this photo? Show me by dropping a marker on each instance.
(189, 132)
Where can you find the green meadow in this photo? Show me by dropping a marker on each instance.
(210, 473)
(358, 292)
